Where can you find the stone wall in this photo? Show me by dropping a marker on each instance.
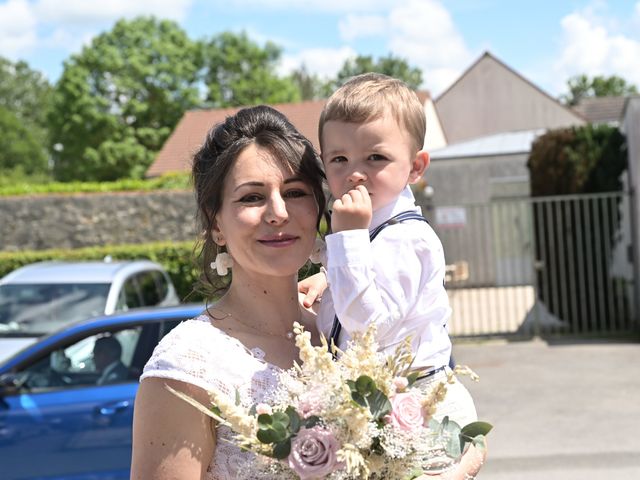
(81, 220)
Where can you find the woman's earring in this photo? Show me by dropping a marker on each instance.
(222, 263)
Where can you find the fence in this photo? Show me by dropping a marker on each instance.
(546, 265)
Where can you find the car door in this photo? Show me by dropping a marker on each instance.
(59, 423)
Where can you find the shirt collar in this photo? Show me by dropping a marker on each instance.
(405, 201)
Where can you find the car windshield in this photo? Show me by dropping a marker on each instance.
(37, 309)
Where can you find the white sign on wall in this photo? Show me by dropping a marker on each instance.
(451, 217)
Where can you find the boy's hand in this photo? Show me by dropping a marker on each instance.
(352, 211)
(311, 289)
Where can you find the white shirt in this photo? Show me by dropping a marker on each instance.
(396, 281)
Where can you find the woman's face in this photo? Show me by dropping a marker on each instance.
(268, 216)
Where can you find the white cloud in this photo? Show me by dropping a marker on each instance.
(84, 11)
(17, 28)
(423, 32)
(355, 26)
(324, 62)
(595, 45)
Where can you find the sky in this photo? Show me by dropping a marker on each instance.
(547, 41)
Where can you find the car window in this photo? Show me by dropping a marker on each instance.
(42, 308)
(147, 281)
(129, 296)
(99, 359)
(163, 285)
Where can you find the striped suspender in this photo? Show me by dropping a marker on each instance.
(336, 328)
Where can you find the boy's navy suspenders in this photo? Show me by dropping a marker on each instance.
(336, 328)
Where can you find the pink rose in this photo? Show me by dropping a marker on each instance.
(406, 411)
(313, 453)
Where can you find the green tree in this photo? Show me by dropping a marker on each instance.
(581, 86)
(119, 99)
(310, 85)
(238, 71)
(390, 65)
(27, 94)
(20, 150)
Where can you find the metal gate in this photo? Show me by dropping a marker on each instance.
(539, 266)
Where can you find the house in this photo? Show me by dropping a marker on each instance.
(490, 98)
(597, 110)
(176, 153)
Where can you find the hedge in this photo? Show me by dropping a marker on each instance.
(171, 181)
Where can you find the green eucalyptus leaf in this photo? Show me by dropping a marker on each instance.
(476, 428)
(280, 432)
(379, 404)
(294, 419)
(281, 417)
(266, 435)
(365, 385)
(282, 449)
(264, 419)
(311, 421)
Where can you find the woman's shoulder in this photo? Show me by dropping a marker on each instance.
(195, 352)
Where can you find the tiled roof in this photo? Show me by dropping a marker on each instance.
(190, 132)
(601, 109)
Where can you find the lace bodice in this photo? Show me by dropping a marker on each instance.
(198, 353)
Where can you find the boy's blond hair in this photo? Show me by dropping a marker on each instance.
(369, 96)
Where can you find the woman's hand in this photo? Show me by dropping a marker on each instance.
(467, 469)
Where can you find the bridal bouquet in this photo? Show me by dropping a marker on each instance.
(359, 416)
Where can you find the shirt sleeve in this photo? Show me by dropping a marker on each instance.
(387, 280)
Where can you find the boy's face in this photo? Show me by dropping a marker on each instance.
(377, 154)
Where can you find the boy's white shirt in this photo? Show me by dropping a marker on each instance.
(396, 282)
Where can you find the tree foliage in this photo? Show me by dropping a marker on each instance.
(587, 159)
(390, 65)
(27, 94)
(238, 71)
(118, 100)
(20, 151)
(311, 86)
(581, 86)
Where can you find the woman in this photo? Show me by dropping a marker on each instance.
(259, 195)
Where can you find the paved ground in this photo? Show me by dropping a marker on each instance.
(560, 411)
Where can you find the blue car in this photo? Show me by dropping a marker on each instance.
(66, 407)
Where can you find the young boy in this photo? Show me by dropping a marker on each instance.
(385, 264)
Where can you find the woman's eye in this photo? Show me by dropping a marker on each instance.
(251, 198)
(295, 194)
(338, 159)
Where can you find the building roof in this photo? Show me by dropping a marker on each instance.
(507, 143)
(176, 153)
(601, 109)
(190, 132)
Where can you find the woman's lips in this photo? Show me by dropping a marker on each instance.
(278, 241)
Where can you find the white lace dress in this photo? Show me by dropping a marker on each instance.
(198, 353)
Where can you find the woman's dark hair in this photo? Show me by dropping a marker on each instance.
(266, 128)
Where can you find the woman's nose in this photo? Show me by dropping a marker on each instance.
(276, 212)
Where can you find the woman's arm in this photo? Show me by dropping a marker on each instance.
(171, 439)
